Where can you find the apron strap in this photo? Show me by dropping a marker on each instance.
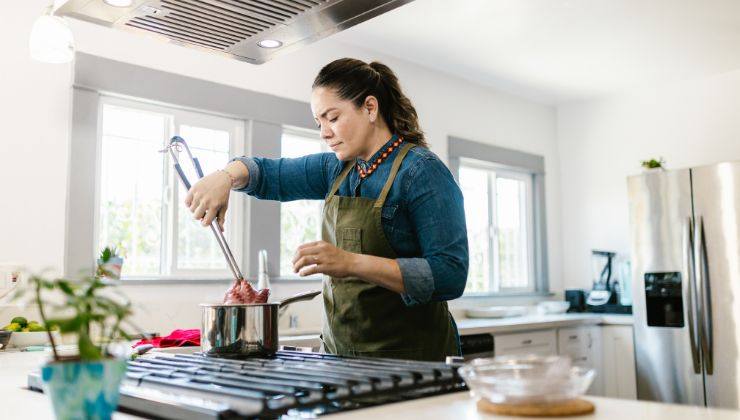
(392, 175)
(340, 178)
(388, 183)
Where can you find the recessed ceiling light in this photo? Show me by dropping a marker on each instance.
(119, 3)
(270, 43)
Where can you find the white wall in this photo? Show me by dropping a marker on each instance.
(34, 119)
(602, 141)
(36, 124)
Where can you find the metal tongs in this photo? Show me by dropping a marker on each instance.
(178, 143)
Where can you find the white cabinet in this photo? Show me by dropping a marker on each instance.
(619, 362)
(608, 349)
(530, 342)
(584, 346)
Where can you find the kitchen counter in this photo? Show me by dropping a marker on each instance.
(21, 403)
(537, 322)
(17, 401)
(461, 406)
(468, 326)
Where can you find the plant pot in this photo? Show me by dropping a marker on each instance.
(112, 268)
(83, 390)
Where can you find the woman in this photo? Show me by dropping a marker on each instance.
(394, 244)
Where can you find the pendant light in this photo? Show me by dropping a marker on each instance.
(51, 39)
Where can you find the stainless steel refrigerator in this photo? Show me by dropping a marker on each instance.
(685, 234)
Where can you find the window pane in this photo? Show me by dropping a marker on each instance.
(300, 221)
(512, 233)
(197, 249)
(474, 186)
(131, 187)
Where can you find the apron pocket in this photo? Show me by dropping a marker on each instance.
(352, 240)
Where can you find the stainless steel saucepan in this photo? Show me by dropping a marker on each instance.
(236, 330)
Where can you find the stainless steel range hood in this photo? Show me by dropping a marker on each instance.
(233, 27)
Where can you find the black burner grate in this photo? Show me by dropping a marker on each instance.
(293, 383)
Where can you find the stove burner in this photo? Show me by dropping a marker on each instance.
(290, 385)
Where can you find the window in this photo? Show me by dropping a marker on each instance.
(300, 221)
(499, 216)
(140, 200)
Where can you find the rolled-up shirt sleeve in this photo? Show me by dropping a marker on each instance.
(288, 179)
(254, 174)
(435, 205)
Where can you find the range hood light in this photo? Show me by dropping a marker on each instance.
(119, 3)
(270, 43)
(51, 39)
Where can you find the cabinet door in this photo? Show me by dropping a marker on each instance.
(583, 345)
(619, 362)
(533, 342)
(573, 342)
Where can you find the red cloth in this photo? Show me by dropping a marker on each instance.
(177, 338)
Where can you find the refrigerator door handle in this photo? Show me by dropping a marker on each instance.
(702, 274)
(689, 270)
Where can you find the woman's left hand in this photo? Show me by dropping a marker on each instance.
(322, 257)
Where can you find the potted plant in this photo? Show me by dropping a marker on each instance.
(653, 164)
(85, 385)
(110, 263)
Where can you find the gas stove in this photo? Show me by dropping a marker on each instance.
(289, 385)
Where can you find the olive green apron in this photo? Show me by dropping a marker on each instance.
(363, 319)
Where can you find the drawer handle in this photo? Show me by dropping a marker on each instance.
(526, 342)
(582, 359)
(573, 337)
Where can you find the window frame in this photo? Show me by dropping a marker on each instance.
(493, 172)
(310, 134)
(263, 114)
(514, 164)
(175, 118)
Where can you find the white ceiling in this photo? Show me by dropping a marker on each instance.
(555, 51)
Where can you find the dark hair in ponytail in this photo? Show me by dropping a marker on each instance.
(355, 80)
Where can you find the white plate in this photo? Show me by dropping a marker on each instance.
(553, 307)
(39, 338)
(496, 312)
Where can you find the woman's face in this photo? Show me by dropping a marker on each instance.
(344, 127)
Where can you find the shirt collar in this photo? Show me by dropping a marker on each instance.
(364, 164)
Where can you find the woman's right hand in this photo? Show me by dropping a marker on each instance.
(208, 199)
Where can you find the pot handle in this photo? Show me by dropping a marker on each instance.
(299, 297)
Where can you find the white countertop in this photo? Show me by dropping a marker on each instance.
(19, 403)
(467, 326)
(537, 322)
(461, 406)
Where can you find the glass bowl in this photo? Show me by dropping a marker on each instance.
(527, 379)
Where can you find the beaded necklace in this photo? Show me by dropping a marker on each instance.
(379, 160)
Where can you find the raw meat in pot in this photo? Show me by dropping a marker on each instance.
(241, 292)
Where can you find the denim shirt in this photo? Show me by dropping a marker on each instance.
(423, 215)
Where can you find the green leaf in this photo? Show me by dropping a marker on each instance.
(653, 163)
(65, 287)
(105, 255)
(67, 325)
